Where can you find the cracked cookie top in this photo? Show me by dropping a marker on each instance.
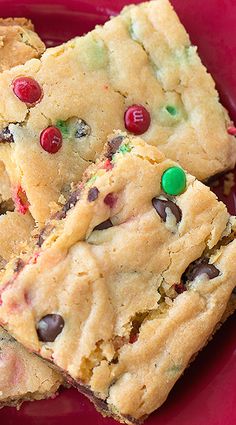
(127, 281)
(138, 72)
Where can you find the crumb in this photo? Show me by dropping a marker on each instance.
(168, 301)
(62, 200)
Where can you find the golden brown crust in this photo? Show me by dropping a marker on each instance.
(22, 22)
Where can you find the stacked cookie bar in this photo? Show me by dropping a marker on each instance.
(138, 72)
(23, 375)
(128, 282)
(133, 268)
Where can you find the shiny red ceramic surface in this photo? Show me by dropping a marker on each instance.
(206, 395)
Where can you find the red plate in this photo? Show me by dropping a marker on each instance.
(206, 395)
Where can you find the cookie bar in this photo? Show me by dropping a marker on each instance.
(23, 376)
(18, 42)
(15, 233)
(127, 282)
(138, 72)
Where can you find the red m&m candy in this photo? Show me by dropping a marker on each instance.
(231, 130)
(20, 199)
(137, 119)
(27, 90)
(51, 139)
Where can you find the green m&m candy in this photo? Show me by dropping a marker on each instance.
(173, 181)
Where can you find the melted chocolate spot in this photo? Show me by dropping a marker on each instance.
(41, 239)
(234, 291)
(113, 146)
(6, 136)
(82, 130)
(203, 268)
(179, 288)
(93, 194)
(115, 360)
(105, 225)
(49, 327)
(160, 206)
(133, 338)
(19, 265)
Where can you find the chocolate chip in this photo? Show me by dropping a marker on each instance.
(41, 239)
(113, 146)
(45, 232)
(49, 327)
(19, 265)
(104, 225)
(82, 129)
(6, 136)
(234, 291)
(180, 287)
(93, 194)
(72, 201)
(203, 268)
(74, 198)
(6, 206)
(161, 205)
